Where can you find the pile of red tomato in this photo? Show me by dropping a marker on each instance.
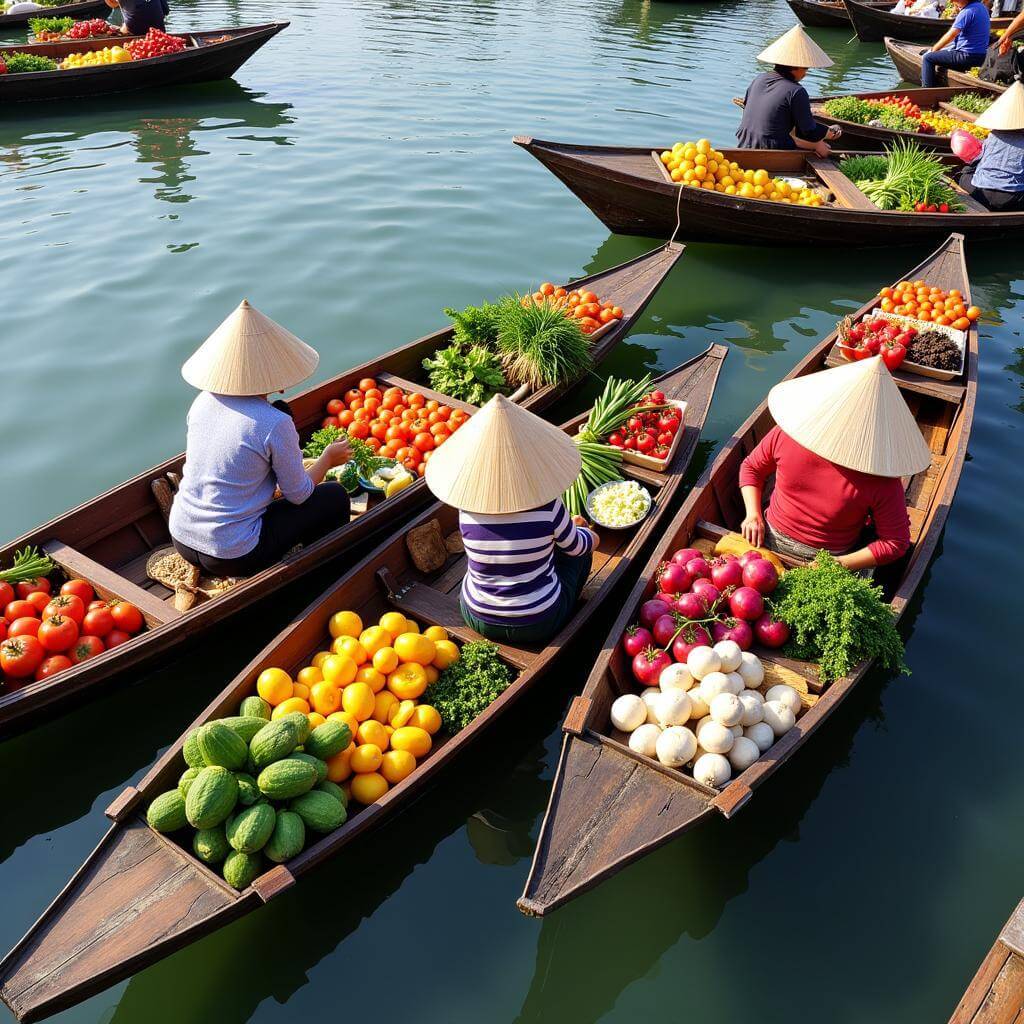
(649, 433)
(585, 306)
(874, 336)
(154, 44)
(90, 29)
(401, 425)
(44, 633)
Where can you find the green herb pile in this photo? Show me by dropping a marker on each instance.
(889, 116)
(475, 325)
(912, 176)
(471, 374)
(20, 63)
(864, 168)
(364, 461)
(58, 25)
(28, 564)
(539, 345)
(470, 685)
(837, 618)
(849, 108)
(972, 102)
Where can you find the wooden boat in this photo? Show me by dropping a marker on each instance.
(823, 13)
(907, 58)
(55, 48)
(873, 22)
(140, 895)
(108, 539)
(628, 189)
(210, 55)
(609, 805)
(79, 9)
(996, 993)
(865, 136)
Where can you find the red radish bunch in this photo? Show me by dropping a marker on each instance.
(651, 431)
(90, 29)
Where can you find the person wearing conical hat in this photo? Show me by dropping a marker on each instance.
(776, 107)
(963, 46)
(843, 439)
(526, 559)
(241, 450)
(996, 177)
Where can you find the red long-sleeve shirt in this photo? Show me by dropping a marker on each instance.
(819, 503)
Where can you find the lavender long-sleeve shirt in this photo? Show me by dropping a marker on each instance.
(239, 451)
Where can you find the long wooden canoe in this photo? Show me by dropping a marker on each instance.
(79, 9)
(609, 805)
(865, 136)
(139, 896)
(996, 993)
(211, 55)
(108, 539)
(873, 22)
(627, 188)
(822, 13)
(907, 57)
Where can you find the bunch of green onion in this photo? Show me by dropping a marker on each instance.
(28, 564)
(912, 176)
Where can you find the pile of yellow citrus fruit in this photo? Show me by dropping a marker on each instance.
(699, 165)
(371, 679)
(94, 58)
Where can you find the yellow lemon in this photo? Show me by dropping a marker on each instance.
(373, 639)
(688, 177)
(374, 680)
(339, 767)
(665, 156)
(435, 633)
(401, 713)
(412, 738)
(366, 758)
(315, 719)
(339, 669)
(345, 718)
(325, 697)
(677, 175)
(396, 765)
(432, 674)
(700, 173)
(700, 160)
(357, 699)
(301, 690)
(345, 624)
(274, 685)
(427, 718)
(309, 676)
(286, 707)
(319, 658)
(748, 176)
(413, 647)
(411, 626)
(385, 660)
(373, 733)
(394, 623)
(369, 788)
(760, 177)
(408, 681)
(727, 180)
(730, 190)
(712, 166)
(703, 146)
(352, 647)
(383, 702)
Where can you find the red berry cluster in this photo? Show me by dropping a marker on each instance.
(155, 44)
(90, 29)
(649, 432)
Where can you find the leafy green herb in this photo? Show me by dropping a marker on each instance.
(470, 685)
(475, 325)
(472, 375)
(364, 460)
(849, 108)
(972, 102)
(20, 63)
(837, 618)
(58, 25)
(912, 176)
(864, 168)
(539, 344)
(28, 564)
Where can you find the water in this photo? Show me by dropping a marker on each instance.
(356, 178)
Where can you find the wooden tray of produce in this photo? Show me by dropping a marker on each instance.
(649, 461)
(959, 338)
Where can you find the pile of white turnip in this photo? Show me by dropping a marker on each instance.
(708, 714)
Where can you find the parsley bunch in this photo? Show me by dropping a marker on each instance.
(471, 374)
(469, 685)
(837, 618)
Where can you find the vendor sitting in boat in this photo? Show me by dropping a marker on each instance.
(964, 46)
(844, 438)
(526, 560)
(141, 15)
(996, 178)
(776, 108)
(919, 8)
(241, 450)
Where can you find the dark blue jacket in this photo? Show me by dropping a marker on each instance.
(774, 106)
(142, 15)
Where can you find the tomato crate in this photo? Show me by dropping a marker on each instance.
(649, 461)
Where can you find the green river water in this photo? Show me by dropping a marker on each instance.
(355, 179)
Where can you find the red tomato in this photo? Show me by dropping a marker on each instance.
(18, 610)
(93, 605)
(360, 429)
(335, 406)
(346, 418)
(39, 599)
(424, 441)
(32, 586)
(351, 395)
(98, 621)
(7, 594)
(85, 648)
(27, 625)
(330, 421)
(67, 605)
(81, 589)
(52, 665)
(115, 638)
(3, 628)
(58, 633)
(373, 443)
(645, 442)
(126, 617)
(379, 431)
(373, 393)
(367, 383)
(20, 657)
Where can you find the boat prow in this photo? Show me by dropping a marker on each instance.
(909, 56)
(606, 810)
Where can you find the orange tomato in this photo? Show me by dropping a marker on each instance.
(356, 403)
(617, 312)
(943, 320)
(547, 288)
(424, 441)
(587, 297)
(961, 323)
(416, 400)
(346, 417)
(924, 314)
(373, 393)
(887, 305)
(366, 383)
(433, 405)
(373, 444)
(360, 429)
(973, 313)
(371, 405)
(351, 395)
(886, 293)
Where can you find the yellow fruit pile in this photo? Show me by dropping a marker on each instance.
(94, 58)
(370, 679)
(945, 125)
(698, 165)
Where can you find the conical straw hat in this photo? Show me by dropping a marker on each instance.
(854, 416)
(502, 460)
(796, 49)
(1007, 113)
(249, 354)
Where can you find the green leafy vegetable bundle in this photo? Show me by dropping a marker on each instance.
(837, 618)
(864, 168)
(20, 63)
(364, 461)
(471, 374)
(475, 325)
(470, 685)
(912, 176)
(539, 345)
(28, 564)
(57, 25)
(849, 108)
(972, 102)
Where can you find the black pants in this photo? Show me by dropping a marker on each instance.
(284, 525)
(996, 199)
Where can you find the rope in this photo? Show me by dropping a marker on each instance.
(679, 214)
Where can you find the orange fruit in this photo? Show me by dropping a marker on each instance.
(366, 758)
(374, 638)
(286, 707)
(325, 697)
(396, 765)
(369, 788)
(345, 718)
(274, 685)
(374, 680)
(345, 624)
(350, 646)
(385, 660)
(315, 719)
(973, 313)
(394, 622)
(426, 718)
(411, 626)
(413, 647)
(339, 767)
(408, 681)
(401, 713)
(309, 676)
(374, 733)
(413, 739)
(445, 653)
(383, 702)
(300, 690)
(319, 658)
(339, 669)
(435, 633)
(357, 699)
(432, 674)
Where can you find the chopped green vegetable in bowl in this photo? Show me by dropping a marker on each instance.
(619, 505)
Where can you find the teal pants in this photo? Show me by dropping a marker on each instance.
(572, 574)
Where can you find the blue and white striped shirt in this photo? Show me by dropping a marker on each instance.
(510, 574)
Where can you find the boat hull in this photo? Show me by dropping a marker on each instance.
(872, 24)
(906, 56)
(90, 8)
(815, 14)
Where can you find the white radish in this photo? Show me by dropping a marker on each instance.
(672, 707)
(727, 710)
(786, 695)
(712, 770)
(628, 712)
(702, 661)
(699, 706)
(736, 683)
(753, 707)
(712, 685)
(675, 746)
(779, 717)
(761, 733)
(650, 697)
(645, 739)
(730, 653)
(743, 754)
(715, 738)
(751, 669)
(675, 677)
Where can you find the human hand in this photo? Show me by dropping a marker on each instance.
(338, 452)
(1004, 44)
(753, 530)
(823, 149)
(834, 131)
